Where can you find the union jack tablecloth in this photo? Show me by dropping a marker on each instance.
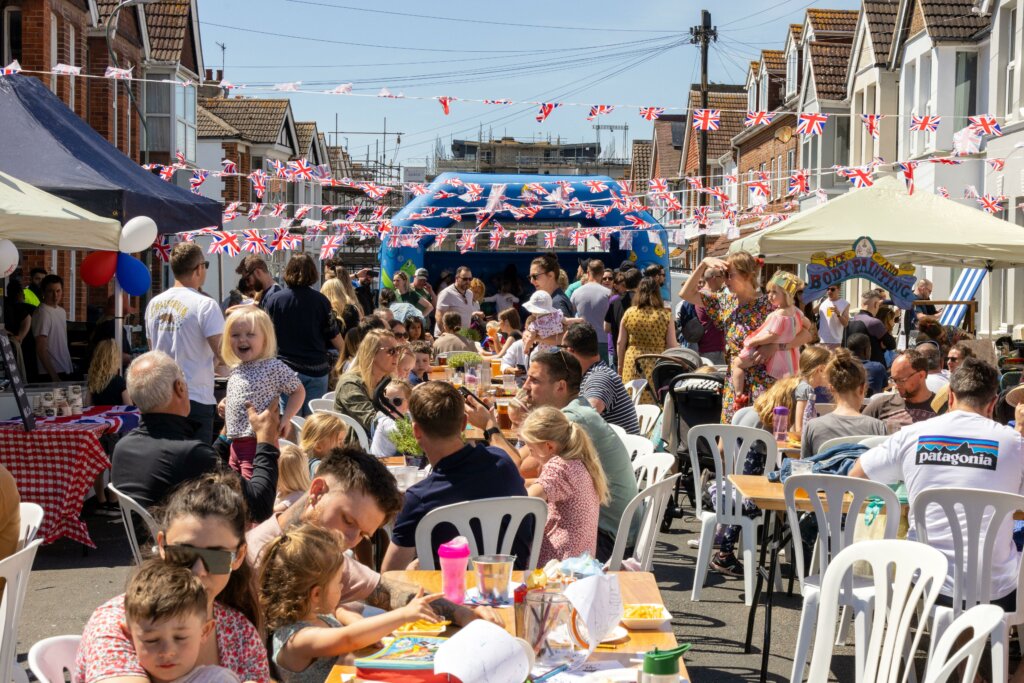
(54, 467)
(120, 419)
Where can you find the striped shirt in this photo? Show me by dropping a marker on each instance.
(602, 382)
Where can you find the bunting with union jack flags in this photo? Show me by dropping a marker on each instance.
(225, 243)
(595, 186)
(330, 245)
(600, 110)
(925, 124)
(545, 109)
(258, 178)
(811, 123)
(984, 125)
(706, 119)
(758, 118)
(798, 182)
(651, 113)
(162, 249)
(990, 203)
(255, 243)
(871, 122)
(199, 177)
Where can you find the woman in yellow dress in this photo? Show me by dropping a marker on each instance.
(646, 328)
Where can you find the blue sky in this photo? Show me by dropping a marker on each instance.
(474, 52)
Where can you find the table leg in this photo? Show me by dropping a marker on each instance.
(769, 594)
(752, 613)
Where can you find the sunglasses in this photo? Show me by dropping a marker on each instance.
(390, 350)
(465, 279)
(206, 264)
(534, 276)
(401, 335)
(215, 561)
(952, 359)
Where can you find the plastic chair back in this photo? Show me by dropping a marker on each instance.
(907, 576)
(827, 494)
(651, 468)
(617, 429)
(329, 396)
(364, 440)
(319, 405)
(14, 570)
(489, 515)
(823, 409)
(654, 498)
(735, 443)
(128, 508)
(635, 389)
(51, 657)
(746, 417)
(31, 516)
(971, 514)
(840, 440)
(637, 445)
(298, 422)
(648, 415)
(872, 441)
(982, 620)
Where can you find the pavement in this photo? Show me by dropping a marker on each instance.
(67, 584)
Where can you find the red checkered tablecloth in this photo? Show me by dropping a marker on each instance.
(54, 467)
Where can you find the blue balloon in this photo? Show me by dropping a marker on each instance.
(132, 275)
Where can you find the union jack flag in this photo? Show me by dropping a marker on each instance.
(990, 203)
(730, 178)
(623, 187)
(996, 164)
(198, 178)
(258, 178)
(180, 157)
(285, 240)
(700, 214)
(500, 101)
(417, 189)
(566, 187)
(859, 176)
(600, 109)
(811, 123)
(374, 191)
(167, 173)
(946, 161)
(225, 243)
(330, 246)
(467, 241)
(302, 211)
(925, 124)
(301, 169)
(706, 119)
(442, 235)
(162, 249)
(670, 202)
(637, 222)
(908, 174)
(871, 122)
(497, 234)
(352, 213)
(255, 243)
(551, 239)
(279, 167)
(327, 209)
(229, 167)
(378, 213)
(453, 213)
(985, 125)
(255, 211)
(651, 113)
(118, 74)
(521, 236)
(658, 185)
(798, 182)
(545, 110)
(443, 194)
(446, 103)
(758, 118)
(760, 188)
(943, 192)
(577, 237)
(695, 183)
(595, 186)
(11, 69)
(278, 209)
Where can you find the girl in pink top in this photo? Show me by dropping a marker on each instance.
(781, 327)
(571, 481)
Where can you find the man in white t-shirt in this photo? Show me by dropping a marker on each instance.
(457, 297)
(964, 448)
(187, 326)
(833, 317)
(50, 328)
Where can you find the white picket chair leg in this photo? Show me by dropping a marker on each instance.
(707, 542)
(808, 617)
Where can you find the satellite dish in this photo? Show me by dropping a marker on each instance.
(784, 135)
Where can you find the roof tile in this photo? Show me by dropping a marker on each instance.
(168, 23)
(798, 31)
(304, 131)
(829, 62)
(774, 61)
(640, 167)
(833, 20)
(952, 20)
(881, 20)
(257, 120)
(733, 106)
(210, 125)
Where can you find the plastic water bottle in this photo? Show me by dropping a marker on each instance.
(454, 559)
(780, 423)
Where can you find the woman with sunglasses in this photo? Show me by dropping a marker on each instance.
(544, 272)
(203, 528)
(376, 359)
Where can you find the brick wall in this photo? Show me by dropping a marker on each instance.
(762, 149)
(237, 188)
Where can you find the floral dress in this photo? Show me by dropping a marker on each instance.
(646, 330)
(738, 322)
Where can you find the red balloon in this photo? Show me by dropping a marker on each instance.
(98, 267)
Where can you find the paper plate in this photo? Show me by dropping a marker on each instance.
(638, 624)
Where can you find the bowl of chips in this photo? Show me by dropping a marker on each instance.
(641, 617)
(422, 627)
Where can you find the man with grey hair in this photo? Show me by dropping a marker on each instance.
(163, 452)
(867, 322)
(922, 292)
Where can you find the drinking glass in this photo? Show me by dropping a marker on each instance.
(546, 623)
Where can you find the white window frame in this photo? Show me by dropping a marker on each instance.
(54, 54)
(792, 62)
(1012, 60)
(752, 95)
(8, 57)
(72, 58)
(763, 88)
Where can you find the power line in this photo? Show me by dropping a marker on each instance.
(768, 9)
(464, 20)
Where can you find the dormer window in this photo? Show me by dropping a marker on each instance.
(791, 72)
(765, 78)
(752, 96)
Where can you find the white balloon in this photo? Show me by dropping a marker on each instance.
(8, 257)
(137, 235)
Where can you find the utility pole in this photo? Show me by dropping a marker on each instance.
(702, 35)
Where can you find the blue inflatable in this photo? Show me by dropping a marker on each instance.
(648, 246)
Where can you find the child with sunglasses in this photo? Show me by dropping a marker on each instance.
(300, 587)
(398, 393)
(165, 616)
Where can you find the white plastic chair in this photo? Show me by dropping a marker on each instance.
(635, 389)
(735, 443)
(319, 405)
(328, 396)
(51, 657)
(617, 429)
(983, 621)
(857, 438)
(746, 417)
(298, 422)
(14, 570)
(31, 516)
(835, 532)
(636, 445)
(490, 514)
(648, 415)
(906, 576)
(128, 508)
(656, 499)
(872, 441)
(281, 443)
(364, 440)
(823, 409)
(651, 468)
(975, 518)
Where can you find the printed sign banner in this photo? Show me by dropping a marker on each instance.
(861, 261)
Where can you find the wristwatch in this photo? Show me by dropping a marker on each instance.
(490, 432)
